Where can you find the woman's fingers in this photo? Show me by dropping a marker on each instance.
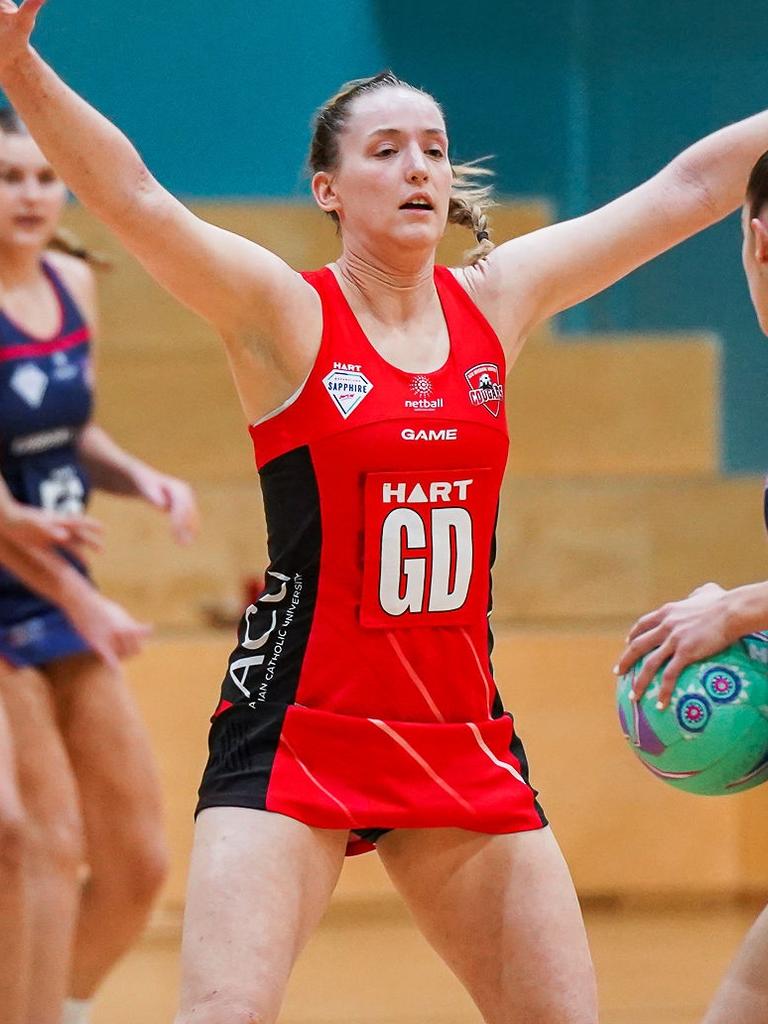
(646, 622)
(636, 648)
(650, 667)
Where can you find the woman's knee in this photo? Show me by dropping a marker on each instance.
(14, 840)
(133, 871)
(55, 843)
(221, 1009)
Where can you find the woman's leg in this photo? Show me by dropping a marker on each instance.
(258, 885)
(119, 792)
(743, 995)
(14, 918)
(54, 847)
(503, 914)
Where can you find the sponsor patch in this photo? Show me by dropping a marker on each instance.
(347, 389)
(485, 388)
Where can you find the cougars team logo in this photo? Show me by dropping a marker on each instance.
(485, 387)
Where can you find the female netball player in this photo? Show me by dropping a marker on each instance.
(359, 706)
(86, 778)
(711, 619)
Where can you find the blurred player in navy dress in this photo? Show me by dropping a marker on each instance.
(79, 784)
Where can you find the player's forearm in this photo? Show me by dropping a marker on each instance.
(718, 166)
(45, 572)
(747, 609)
(109, 466)
(91, 155)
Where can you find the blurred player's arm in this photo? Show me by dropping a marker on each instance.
(110, 631)
(528, 279)
(248, 293)
(113, 469)
(37, 527)
(682, 632)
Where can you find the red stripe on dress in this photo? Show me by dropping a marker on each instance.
(43, 348)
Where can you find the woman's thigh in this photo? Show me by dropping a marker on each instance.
(43, 770)
(503, 914)
(110, 753)
(258, 885)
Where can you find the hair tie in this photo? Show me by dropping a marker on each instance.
(482, 236)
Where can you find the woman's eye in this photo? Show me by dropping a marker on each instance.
(10, 177)
(386, 152)
(434, 151)
(47, 178)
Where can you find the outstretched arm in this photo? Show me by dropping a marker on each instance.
(529, 279)
(243, 289)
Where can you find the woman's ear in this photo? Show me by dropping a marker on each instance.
(324, 191)
(760, 235)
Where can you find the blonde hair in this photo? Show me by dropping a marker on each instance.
(470, 198)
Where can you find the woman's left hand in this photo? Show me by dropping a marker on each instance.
(172, 496)
(680, 633)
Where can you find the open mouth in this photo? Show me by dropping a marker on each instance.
(417, 204)
(29, 221)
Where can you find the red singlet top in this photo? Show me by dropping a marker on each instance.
(371, 644)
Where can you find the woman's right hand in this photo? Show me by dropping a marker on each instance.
(108, 628)
(29, 526)
(16, 25)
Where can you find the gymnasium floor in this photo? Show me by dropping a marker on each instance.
(367, 965)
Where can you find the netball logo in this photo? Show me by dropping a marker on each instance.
(485, 387)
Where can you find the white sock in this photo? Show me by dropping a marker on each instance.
(76, 1011)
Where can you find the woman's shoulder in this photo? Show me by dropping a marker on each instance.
(77, 277)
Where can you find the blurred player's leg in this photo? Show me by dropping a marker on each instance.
(743, 995)
(503, 914)
(55, 847)
(258, 885)
(14, 920)
(120, 797)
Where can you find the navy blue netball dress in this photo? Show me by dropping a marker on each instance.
(45, 400)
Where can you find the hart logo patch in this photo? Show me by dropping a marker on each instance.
(347, 388)
(485, 387)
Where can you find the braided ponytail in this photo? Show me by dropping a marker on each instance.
(468, 207)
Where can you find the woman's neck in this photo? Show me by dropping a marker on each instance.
(391, 296)
(18, 266)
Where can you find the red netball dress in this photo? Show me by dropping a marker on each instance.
(361, 695)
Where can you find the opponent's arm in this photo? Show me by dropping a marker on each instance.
(113, 469)
(29, 526)
(109, 630)
(528, 279)
(232, 282)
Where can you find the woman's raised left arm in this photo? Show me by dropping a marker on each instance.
(530, 278)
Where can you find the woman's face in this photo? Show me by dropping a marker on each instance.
(392, 186)
(32, 197)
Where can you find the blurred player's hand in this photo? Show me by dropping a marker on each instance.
(679, 633)
(107, 627)
(16, 24)
(29, 526)
(172, 496)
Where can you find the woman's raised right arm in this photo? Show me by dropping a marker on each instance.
(237, 285)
